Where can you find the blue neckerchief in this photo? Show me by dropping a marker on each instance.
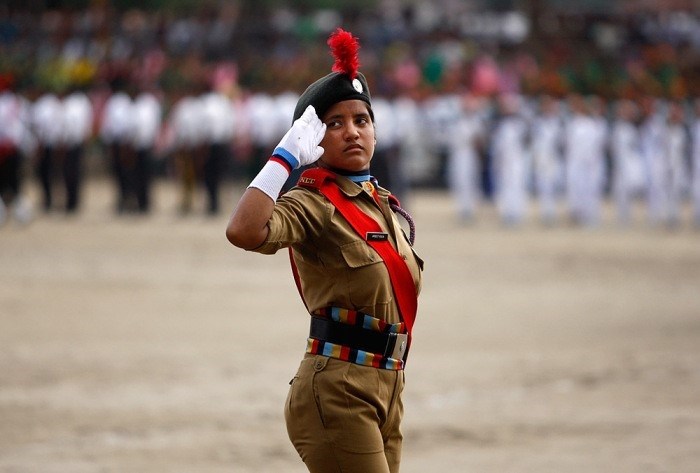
(359, 179)
(355, 176)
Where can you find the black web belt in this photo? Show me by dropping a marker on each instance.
(390, 345)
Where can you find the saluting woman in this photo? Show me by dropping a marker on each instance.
(355, 268)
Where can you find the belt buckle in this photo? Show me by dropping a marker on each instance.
(400, 341)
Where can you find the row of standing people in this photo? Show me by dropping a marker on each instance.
(198, 135)
(571, 151)
(201, 135)
(569, 155)
(134, 130)
(52, 131)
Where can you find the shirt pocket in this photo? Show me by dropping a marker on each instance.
(366, 279)
(358, 254)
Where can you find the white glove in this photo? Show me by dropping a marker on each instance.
(299, 146)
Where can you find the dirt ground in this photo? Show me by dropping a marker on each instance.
(152, 345)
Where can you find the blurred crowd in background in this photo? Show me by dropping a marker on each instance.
(561, 103)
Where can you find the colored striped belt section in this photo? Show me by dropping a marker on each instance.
(354, 317)
(360, 357)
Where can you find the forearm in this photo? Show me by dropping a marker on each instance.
(247, 227)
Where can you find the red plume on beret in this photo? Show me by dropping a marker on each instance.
(344, 47)
(344, 82)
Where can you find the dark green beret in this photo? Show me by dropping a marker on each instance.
(331, 89)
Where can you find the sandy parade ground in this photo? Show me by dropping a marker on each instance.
(151, 345)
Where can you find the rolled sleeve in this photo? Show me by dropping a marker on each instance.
(298, 215)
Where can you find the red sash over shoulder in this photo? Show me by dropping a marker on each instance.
(365, 226)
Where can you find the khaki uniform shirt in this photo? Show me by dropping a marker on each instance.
(336, 266)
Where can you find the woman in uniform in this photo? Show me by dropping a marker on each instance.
(355, 269)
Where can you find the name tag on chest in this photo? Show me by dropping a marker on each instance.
(377, 236)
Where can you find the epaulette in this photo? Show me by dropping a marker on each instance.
(315, 177)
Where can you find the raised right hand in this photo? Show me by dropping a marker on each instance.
(299, 146)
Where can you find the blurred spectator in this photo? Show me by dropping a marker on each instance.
(410, 147)
(218, 127)
(677, 152)
(263, 129)
(15, 142)
(441, 112)
(547, 146)
(187, 124)
(147, 118)
(695, 163)
(467, 143)
(47, 120)
(77, 122)
(117, 135)
(653, 131)
(627, 170)
(586, 136)
(510, 160)
(386, 158)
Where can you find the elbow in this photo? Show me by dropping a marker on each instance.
(232, 236)
(240, 238)
(235, 237)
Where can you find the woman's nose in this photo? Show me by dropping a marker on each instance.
(351, 131)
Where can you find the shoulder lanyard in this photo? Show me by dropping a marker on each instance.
(367, 228)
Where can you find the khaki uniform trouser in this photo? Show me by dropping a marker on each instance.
(343, 417)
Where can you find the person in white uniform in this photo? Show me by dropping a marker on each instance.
(219, 116)
(261, 112)
(77, 111)
(627, 171)
(585, 137)
(16, 143)
(466, 144)
(47, 124)
(411, 147)
(117, 135)
(600, 147)
(547, 144)
(187, 123)
(509, 161)
(695, 164)
(653, 131)
(441, 112)
(386, 151)
(677, 153)
(147, 114)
